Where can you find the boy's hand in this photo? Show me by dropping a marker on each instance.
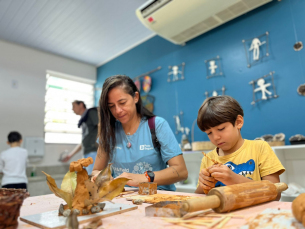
(206, 182)
(223, 174)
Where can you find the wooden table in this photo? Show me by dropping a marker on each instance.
(136, 218)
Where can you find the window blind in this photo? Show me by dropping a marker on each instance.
(60, 122)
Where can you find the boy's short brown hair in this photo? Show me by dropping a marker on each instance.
(217, 110)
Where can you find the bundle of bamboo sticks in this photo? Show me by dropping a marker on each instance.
(205, 218)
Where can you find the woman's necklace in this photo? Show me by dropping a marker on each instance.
(128, 136)
(128, 140)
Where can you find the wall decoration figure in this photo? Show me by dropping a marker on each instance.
(146, 84)
(178, 122)
(174, 70)
(264, 88)
(216, 92)
(254, 48)
(213, 67)
(148, 102)
(301, 89)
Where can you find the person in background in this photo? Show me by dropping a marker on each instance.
(89, 123)
(126, 141)
(13, 163)
(221, 118)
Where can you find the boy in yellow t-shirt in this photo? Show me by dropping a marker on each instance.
(221, 117)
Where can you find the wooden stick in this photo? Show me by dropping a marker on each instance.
(224, 222)
(193, 214)
(216, 222)
(224, 215)
(125, 193)
(214, 161)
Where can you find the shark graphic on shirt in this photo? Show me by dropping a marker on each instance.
(241, 169)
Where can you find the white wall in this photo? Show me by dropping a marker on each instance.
(22, 107)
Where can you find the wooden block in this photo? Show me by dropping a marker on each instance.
(147, 188)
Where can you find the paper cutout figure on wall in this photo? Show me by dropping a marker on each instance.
(256, 43)
(216, 92)
(263, 88)
(213, 67)
(178, 122)
(146, 84)
(174, 70)
(256, 48)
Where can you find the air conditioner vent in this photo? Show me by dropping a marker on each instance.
(238, 8)
(225, 15)
(211, 22)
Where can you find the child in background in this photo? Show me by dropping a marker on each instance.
(221, 118)
(13, 163)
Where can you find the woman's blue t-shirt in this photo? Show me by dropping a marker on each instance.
(142, 156)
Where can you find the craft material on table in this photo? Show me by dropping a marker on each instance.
(156, 198)
(165, 209)
(51, 219)
(228, 198)
(148, 188)
(205, 218)
(274, 218)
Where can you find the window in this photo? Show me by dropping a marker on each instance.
(60, 122)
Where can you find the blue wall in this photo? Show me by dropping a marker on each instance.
(283, 20)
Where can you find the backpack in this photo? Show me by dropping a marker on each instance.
(151, 124)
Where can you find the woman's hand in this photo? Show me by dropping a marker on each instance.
(94, 174)
(136, 179)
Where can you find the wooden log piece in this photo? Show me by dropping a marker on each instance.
(147, 188)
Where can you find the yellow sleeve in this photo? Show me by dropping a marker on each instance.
(268, 161)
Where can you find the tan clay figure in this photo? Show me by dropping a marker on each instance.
(298, 208)
(81, 192)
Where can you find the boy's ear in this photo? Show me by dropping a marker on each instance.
(8, 143)
(239, 121)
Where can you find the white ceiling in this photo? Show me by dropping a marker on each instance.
(91, 31)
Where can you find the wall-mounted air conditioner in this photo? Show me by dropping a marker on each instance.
(182, 20)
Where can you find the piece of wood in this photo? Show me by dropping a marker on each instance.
(156, 198)
(193, 214)
(148, 188)
(228, 198)
(216, 222)
(222, 223)
(50, 220)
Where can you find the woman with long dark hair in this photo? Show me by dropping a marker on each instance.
(125, 138)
